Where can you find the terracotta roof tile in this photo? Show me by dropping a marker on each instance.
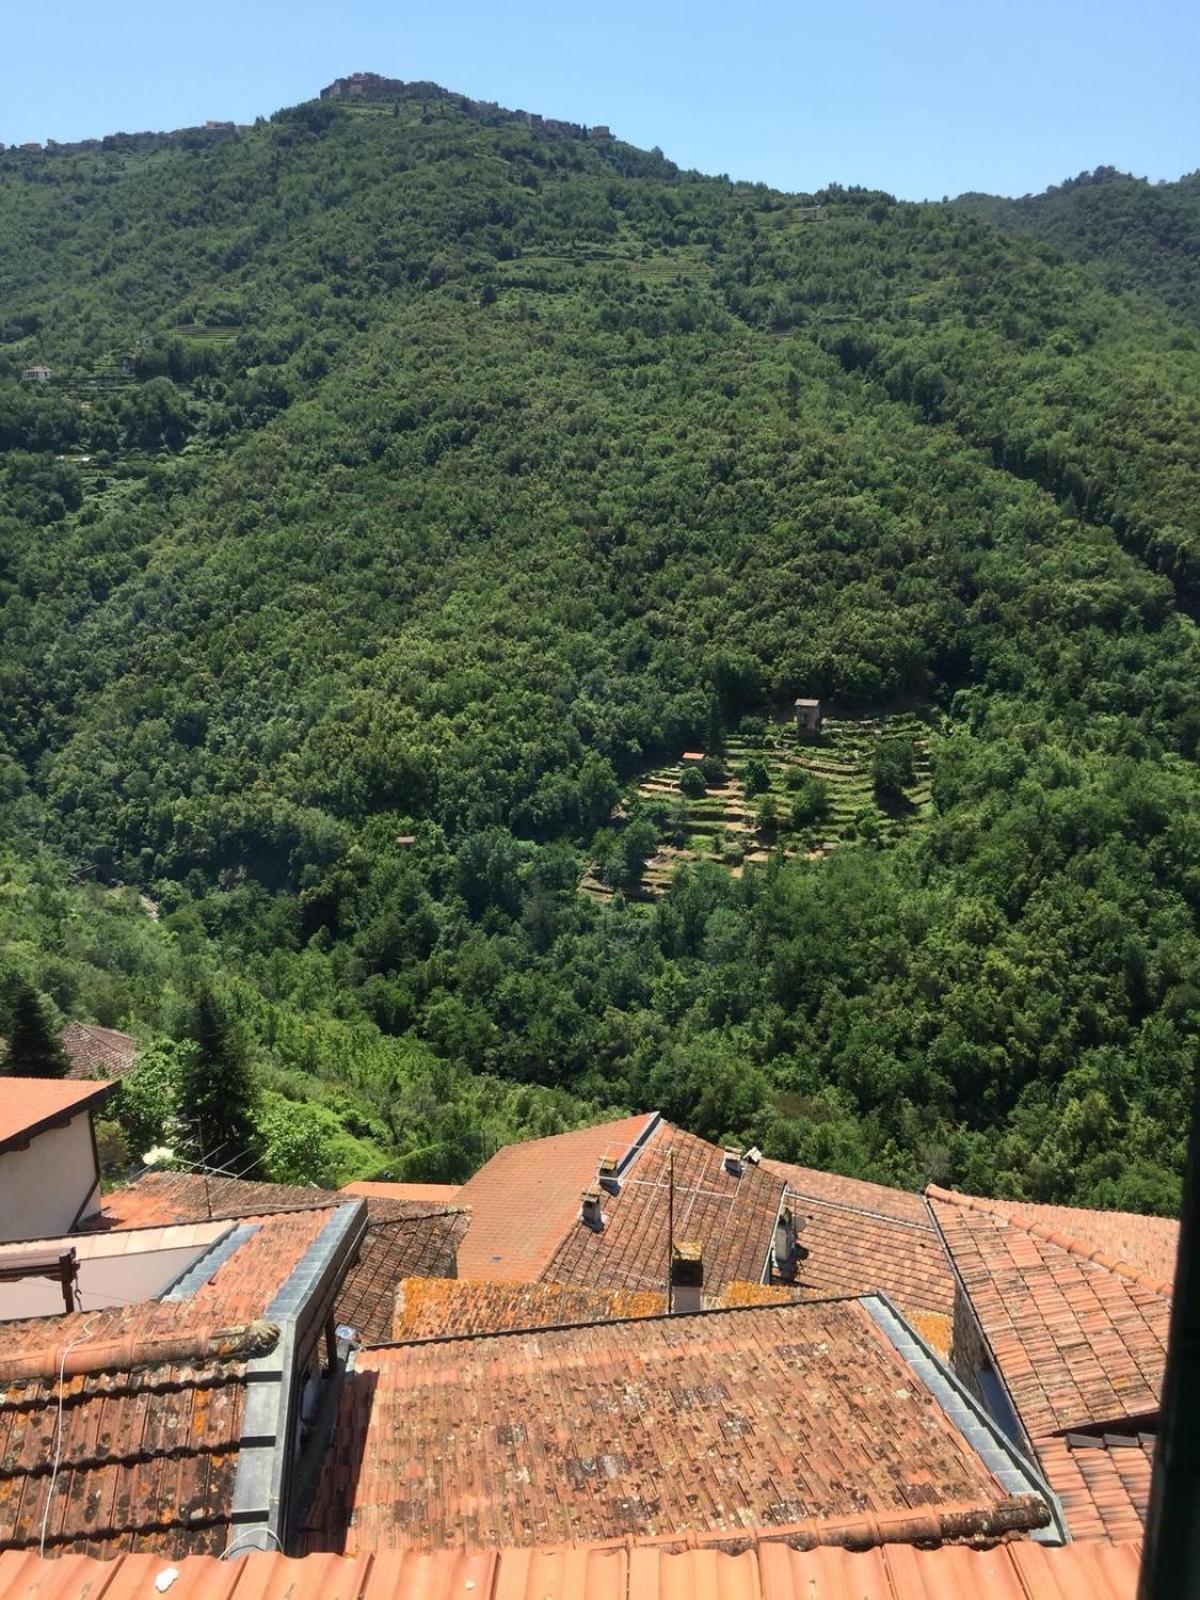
(767, 1571)
(851, 1251)
(1076, 1342)
(28, 1105)
(1103, 1482)
(405, 1237)
(801, 1418)
(435, 1308)
(1148, 1245)
(731, 1216)
(526, 1197)
(903, 1204)
(98, 1052)
(428, 1193)
(149, 1451)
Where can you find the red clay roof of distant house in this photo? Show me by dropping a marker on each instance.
(28, 1106)
(730, 1215)
(404, 1238)
(426, 1193)
(804, 1420)
(98, 1052)
(638, 1570)
(526, 1197)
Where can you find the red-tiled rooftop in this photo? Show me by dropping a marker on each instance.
(1076, 1342)
(96, 1052)
(801, 1419)
(834, 1189)
(768, 1570)
(426, 1193)
(28, 1106)
(404, 1238)
(526, 1197)
(438, 1308)
(730, 1215)
(1147, 1244)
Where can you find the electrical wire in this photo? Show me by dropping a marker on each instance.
(250, 1533)
(58, 1426)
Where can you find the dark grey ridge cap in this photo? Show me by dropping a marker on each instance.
(654, 1121)
(1003, 1460)
(184, 1286)
(266, 1456)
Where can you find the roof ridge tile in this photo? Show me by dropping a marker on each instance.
(1049, 1235)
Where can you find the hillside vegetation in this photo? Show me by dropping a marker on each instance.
(411, 484)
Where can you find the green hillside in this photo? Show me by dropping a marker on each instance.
(411, 483)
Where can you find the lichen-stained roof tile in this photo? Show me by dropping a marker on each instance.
(765, 1571)
(801, 1418)
(526, 1197)
(730, 1215)
(148, 1452)
(1077, 1342)
(409, 1247)
(436, 1308)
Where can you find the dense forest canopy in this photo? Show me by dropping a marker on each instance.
(407, 481)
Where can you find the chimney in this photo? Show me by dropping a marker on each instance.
(785, 1251)
(590, 1213)
(733, 1163)
(687, 1276)
(754, 1155)
(607, 1174)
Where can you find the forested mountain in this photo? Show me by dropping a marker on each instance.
(1136, 235)
(408, 480)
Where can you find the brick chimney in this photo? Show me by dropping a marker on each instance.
(687, 1276)
(590, 1213)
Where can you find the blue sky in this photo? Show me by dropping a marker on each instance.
(923, 99)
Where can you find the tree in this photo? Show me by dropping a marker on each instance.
(756, 777)
(692, 784)
(34, 1050)
(811, 802)
(216, 1092)
(892, 767)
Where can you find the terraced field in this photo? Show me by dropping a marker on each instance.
(723, 824)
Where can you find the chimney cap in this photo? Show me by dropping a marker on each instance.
(607, 1166)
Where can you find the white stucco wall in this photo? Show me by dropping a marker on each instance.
(43, 1186)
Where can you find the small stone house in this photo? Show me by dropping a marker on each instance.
(808, 716)
(38, 374)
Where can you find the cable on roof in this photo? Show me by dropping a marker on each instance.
(58, 1427)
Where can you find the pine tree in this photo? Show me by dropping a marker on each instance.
(216, 1091)
(34, 1050)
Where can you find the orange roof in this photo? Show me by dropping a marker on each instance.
(1079, 1340)
(803, 1419)
(437, 1308)
(404, 1237)
(765, 1571)
(851, 1251)
(1076, 1341)
(731, 1216)
(903, 1204)
(28, 1106)
(1147, 1244)
(429, 1193)
(526, 1197)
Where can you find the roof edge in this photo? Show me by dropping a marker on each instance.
(1040, 1230)
(241, 1342)
(97, 1092)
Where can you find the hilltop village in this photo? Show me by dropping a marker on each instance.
(617, 1354)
